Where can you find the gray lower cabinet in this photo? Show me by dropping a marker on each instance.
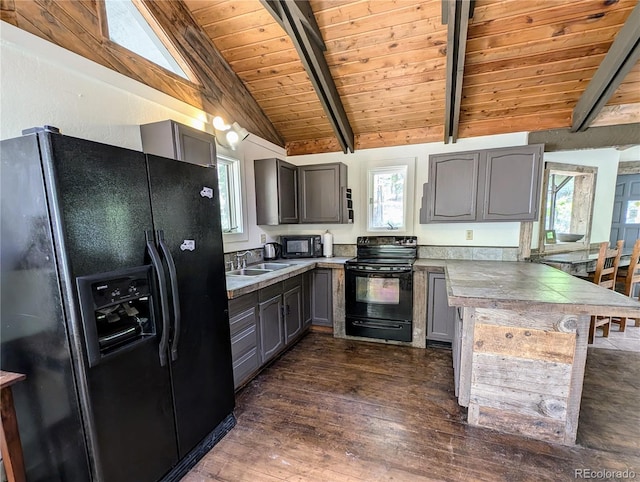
(487, 185)
(243, 321)
(306, 299)
(322, 297)
(440, 316)
(271, 327)
(280, 316)
(178, 141)
(292, 309)
(276, 192)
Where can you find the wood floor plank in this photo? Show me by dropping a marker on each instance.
(338, 410)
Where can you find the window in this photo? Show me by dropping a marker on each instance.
(230, 187)
(129, 28)
(633, 212)
(387, 193)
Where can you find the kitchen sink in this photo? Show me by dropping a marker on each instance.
(248, 272)
(271, 266)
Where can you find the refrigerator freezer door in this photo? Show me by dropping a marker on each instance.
(33, 333)
(101, 197)
(202, 374)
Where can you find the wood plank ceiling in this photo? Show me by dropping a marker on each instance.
(526, 66)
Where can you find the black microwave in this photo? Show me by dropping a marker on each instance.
(301, 246)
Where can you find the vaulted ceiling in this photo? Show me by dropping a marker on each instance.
(526, 64)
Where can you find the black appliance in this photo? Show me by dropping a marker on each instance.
(379, 288)
(114, 306)
(301, 246)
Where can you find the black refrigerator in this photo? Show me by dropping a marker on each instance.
(114, 305)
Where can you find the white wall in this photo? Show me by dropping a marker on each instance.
(43, 84)
(484, 234)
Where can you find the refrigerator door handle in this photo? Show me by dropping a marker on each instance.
(174, 293)
(164, 302)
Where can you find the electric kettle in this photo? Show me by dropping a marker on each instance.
(271, 251)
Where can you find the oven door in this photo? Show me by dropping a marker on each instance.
(379, 292)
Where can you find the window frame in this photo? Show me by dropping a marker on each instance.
(159, 32)
(238, 198)
(566, 169)
(387, 166)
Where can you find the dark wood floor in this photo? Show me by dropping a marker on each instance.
(336, 410)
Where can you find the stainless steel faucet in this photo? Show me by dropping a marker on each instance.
(241, 259)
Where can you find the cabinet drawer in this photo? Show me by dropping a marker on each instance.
(243, 342)
(290, 283)
(242, 320)
(243, 303)
(245, 366)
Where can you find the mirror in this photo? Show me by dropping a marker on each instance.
(568, 193)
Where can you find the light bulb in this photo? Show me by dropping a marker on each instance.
(219, 124)
(232, 137)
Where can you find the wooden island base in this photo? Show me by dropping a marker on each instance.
(520, 344)
(522, 372)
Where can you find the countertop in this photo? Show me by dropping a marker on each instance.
(531, 287)
(578, 257)
(241, 285)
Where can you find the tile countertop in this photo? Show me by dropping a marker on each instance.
(241, 285)
(577, 257)
(530, 287)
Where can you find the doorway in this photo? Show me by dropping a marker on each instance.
(625, 223)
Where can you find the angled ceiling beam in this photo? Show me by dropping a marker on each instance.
(296, 17)
(456, 14)
(621, 58)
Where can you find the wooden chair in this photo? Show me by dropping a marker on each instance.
(628, 278)
(605, 276)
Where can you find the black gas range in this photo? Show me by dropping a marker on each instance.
(379, 288)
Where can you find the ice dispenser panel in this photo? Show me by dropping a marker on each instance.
(117, 311)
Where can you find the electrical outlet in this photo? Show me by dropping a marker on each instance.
(469, 234)
(263, 238)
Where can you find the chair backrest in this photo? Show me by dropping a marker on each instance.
(607, 265)
(633, 271)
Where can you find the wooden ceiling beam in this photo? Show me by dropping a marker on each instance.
(456, 14)
(621, 58)
(555, 140)
(298, 21)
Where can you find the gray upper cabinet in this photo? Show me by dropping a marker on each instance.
(454, 182)
(178, 141)
(511, 184)
(323, 190)
(488, 185)
(276, 192)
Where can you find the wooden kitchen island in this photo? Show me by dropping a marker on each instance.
(520, 344)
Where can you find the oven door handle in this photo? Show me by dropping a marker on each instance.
(391, 270)
(377, 325)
